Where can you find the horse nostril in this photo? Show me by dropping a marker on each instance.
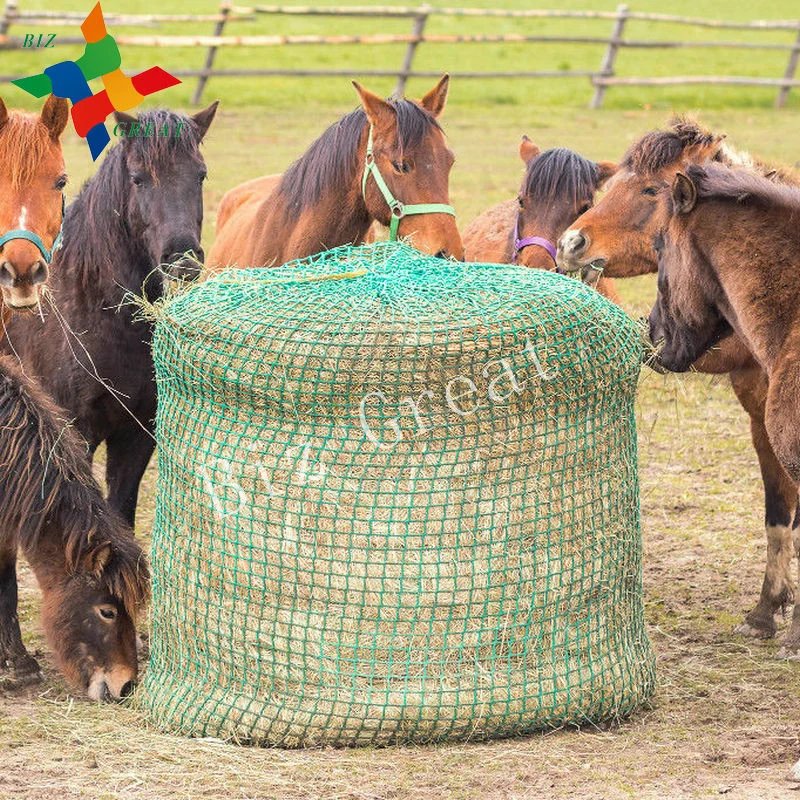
(7, 276)
(441, 254)
(40, 273)
(127, 689)
(576, 243)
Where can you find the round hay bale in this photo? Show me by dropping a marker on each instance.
(397, 502)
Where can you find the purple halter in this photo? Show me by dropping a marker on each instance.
(529, 240)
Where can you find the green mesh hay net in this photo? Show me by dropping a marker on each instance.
(397, 502)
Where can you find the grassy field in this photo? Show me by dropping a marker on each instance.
(293, 93)
(726, 716)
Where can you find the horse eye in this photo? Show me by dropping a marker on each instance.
(584, 208)
(137, 180)
(521, 202)
(108, 613)
(651, 191)
(402, 167)
(202, 176)
(61, 182)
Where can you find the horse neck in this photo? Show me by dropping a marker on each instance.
(759, 298)
(338, 217)
(100, 252)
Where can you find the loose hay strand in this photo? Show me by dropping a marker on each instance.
(480, 576)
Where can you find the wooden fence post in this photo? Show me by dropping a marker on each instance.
(610, 57)
(9, 12)
(219, 26)
(408, 59)
(791, 69)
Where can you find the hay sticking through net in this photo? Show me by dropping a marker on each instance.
(397, 502)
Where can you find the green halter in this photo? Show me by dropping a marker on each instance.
(397, 209)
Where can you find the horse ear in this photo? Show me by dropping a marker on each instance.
(97, 559)
(684, 193)
(528, 150)
(204, 118)
(3, 113)
(435, 100)
(55, 115)
(606, 170)
(380, 114)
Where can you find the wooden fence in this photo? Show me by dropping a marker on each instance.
(602, 79)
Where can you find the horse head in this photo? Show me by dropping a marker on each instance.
(89, 615)
(559, 185)
(615, 237)
(166, 171)
(684, 321)
(406, 179)
(32, 181)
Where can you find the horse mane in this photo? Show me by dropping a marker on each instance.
(332, 159)
(95, 236)
(48, 490)
(662, 148)
(559, 173)
(24, 143)
(714, 182)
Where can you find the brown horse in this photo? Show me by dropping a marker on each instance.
(729, 259)
(331, 195)
(559, 185)
(32, 181)
(618, 234)
(92, 573)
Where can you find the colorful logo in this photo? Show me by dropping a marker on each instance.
(101, 59)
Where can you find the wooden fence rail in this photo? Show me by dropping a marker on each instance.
(602, 79)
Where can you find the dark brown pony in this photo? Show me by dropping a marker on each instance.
(729, 259)
(32, 181)
(93, 575)
(618, 234)
(558, 186)
(318, 202)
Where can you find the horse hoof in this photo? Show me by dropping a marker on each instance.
(789, 653)
(19, 672)
(754, 631)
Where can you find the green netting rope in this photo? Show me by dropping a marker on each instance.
(397, 502)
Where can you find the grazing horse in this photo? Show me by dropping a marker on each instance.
(729, 259)
(559, 185)
(143, 208)
(618, 234)
(32, 181)
(386, 161)
(92, 573)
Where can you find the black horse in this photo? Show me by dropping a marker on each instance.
(143, 209)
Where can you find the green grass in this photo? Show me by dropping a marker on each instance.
(295, 93)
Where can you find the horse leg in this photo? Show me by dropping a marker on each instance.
(790, 647)
(780, 501)
(16, 666)
(128, 453)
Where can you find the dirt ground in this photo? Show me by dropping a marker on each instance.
(725, 719)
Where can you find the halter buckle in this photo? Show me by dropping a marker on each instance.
(397, 209)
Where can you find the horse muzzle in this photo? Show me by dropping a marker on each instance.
(114, 684)
(185, 265)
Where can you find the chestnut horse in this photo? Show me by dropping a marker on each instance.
(386, 161)
(617, 234)
(559, 185)
(32, 181)
(729, 259)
